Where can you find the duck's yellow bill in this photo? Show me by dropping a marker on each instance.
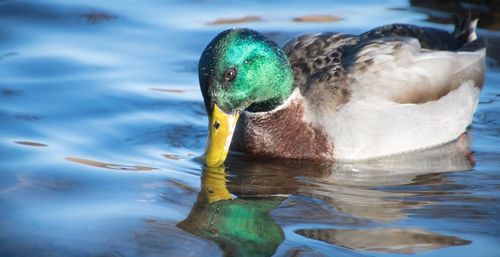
(221, 128)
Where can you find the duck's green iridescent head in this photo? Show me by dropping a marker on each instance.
(240, 69)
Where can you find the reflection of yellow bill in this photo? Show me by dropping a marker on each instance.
(214, 184)
(221, 128)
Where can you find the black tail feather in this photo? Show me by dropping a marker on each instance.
(465, 30)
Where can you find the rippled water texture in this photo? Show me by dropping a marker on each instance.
(101, 121)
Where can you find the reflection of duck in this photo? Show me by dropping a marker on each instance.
(349, 186)
(240, 227)
(394, 89)
(234, 205)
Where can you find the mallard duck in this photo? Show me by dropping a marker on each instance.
(332, 96)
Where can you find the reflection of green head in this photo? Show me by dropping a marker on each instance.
(240, 68)
(240, 227)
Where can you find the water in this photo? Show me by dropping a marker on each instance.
(101, 122)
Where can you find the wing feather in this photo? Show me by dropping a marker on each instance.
(397, 69)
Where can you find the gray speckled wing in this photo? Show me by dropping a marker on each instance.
(327, 65)
(429, 38)
(400, 70)
(317, 63)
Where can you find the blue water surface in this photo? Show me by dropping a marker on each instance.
(101, 121)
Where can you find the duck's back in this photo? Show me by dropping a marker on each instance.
(330, 66)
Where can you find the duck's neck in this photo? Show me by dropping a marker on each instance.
(278, 91)
(266, 106)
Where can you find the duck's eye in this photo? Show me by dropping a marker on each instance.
(230, 74)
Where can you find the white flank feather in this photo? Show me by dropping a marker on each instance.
(361, 130)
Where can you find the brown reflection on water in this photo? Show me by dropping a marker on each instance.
(111, 166)
(317, 18)
(37, 183)
(98, 17)
(245, 19)
(171, 156)
(9, 54)
(233, 208)
(386, 240)
(29, 143)
(172, 90)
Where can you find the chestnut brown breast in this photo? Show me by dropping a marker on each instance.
(281, 133)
